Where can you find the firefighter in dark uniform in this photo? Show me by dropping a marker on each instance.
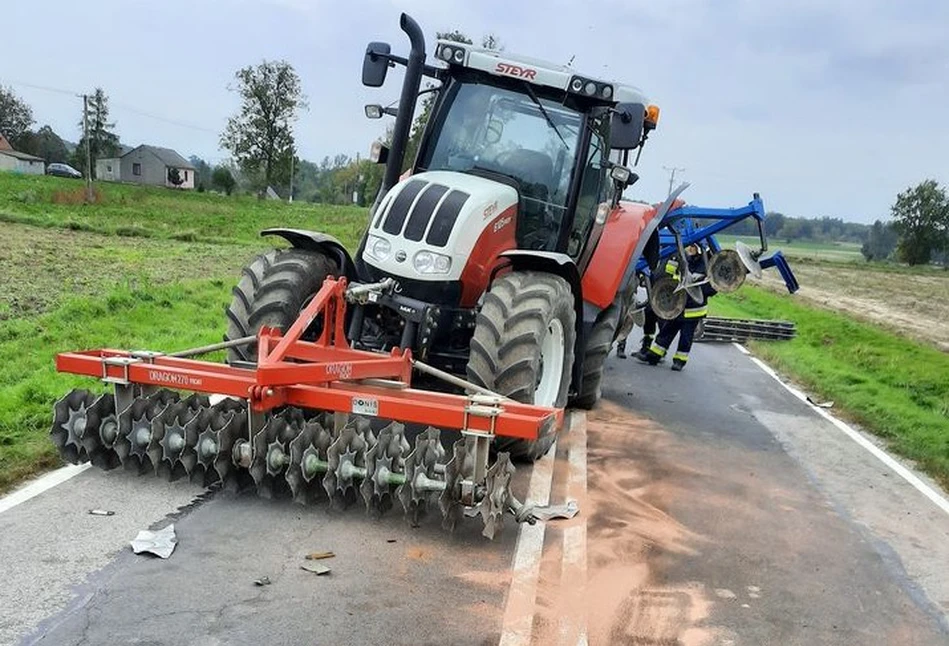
(683, 325)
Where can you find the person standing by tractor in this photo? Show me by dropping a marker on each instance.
(684, 325)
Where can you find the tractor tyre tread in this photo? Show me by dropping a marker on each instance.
(506, 346)
(272, 290)
(594, 359)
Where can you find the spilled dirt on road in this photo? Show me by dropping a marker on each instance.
(629, 535)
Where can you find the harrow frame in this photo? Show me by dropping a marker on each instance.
(325, 374)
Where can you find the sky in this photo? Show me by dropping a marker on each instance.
(824, 107)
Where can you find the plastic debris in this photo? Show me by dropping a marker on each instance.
(161, 543)
(390, 540)
(101, 512)
(316, 556)
(316, 568)
(551, 512)
(264, 580)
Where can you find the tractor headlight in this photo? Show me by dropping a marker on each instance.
(378, 249)
(427, 262)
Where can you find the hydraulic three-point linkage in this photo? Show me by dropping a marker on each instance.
(303, 418)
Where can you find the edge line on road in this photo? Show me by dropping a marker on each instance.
(855, 435)
(573, 578)
(41, 484)
(518, 623)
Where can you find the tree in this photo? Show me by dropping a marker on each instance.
(881, 241)
(773, 221)
(223, 180)
(175, 178)
(103, 143)
(921, 219)
(43, 143)
(15, 115)
(259, 135)
(202, 172)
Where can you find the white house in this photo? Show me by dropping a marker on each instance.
(147, 165)
(11, 160)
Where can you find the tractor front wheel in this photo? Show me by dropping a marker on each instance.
(272, 291)
(523, 347)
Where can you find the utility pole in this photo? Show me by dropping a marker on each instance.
(90, 196)
(672, 176)
(292, 155)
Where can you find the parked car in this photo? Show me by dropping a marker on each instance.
(62, 170)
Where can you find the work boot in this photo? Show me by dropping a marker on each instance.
(678, 365)
(621, 349)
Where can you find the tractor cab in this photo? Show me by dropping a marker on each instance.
(540, 128)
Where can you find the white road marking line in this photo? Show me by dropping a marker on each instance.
(573, 580)
(518, 623)
(740, 347)
(874, 450)
(41, 484)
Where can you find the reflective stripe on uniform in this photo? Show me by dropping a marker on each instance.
(657, 349)
(681, 356)
(696, 312)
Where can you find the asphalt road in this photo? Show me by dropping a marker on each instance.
(716, 508)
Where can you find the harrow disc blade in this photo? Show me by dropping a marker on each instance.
(228, 425)
(70, 416)
(421, 464)
(666, 301)
(169, 449)
(383, 459)
(497, 497)
(136, 429)
(271, 455)
(726, 272)
(460, 467)
(101, 428)
(347, 459)
(308, 459)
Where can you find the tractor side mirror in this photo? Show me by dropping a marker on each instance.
(375, 111)
(626, 126)
(375, 65)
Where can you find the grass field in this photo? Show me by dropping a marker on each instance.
(848, 252)
(146, 212)
(892, 386)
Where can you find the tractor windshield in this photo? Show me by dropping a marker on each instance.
(498, 130)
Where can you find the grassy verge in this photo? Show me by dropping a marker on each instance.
(154, 212)
(167, 317)
(894, 387)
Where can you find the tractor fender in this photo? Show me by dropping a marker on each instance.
(316, 241)
(562, 265)
(612, 268)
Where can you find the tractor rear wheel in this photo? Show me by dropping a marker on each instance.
(272, 291)
(598, 348)
(523, 345)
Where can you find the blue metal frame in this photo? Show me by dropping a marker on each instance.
(683, 220)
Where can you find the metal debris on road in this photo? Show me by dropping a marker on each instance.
(316, 568)
(827, 404)
(553, 512)
(316, 556)
(390, 540)
(161, 543)
(264, 580)
(101, 512)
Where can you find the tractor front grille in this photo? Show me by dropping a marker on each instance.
(424, 207)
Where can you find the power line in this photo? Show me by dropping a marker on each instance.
(118, 104)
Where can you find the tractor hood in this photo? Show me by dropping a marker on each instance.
(430, 225)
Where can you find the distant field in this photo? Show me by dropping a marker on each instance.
(155, 212)
(798, 249)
